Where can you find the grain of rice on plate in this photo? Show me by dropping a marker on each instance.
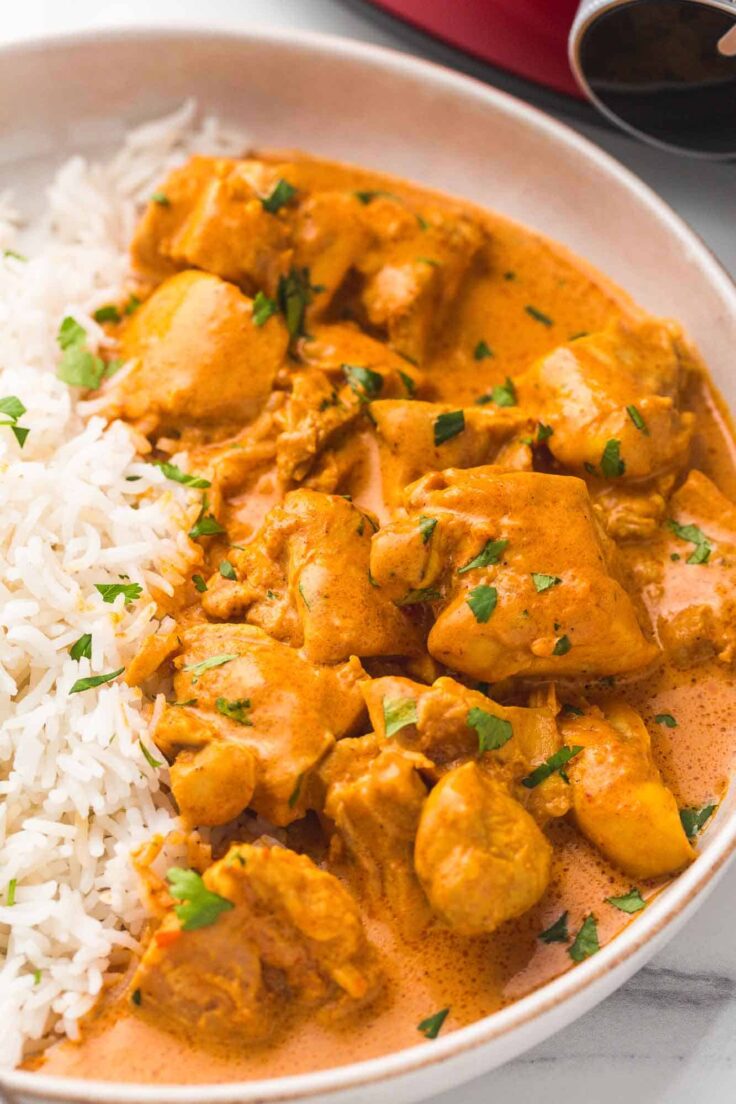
(78, 790)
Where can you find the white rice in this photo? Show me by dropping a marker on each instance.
(76, 791)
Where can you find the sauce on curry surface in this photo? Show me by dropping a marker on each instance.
(522, 297)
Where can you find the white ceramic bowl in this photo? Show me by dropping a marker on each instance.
(389, 111)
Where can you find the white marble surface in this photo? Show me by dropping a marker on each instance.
(670, 1033)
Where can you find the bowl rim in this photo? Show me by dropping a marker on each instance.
(631, 948)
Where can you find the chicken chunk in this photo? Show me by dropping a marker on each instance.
(480, 856)
(209, 214)
(688, 574)
(408, 433)
(519, 573)
(611, 400)
(305, 579)
(238, 686)
(286, 941)
(197, 357)
(448, 724)
(375, 796)
(619, 799)
(411, 284)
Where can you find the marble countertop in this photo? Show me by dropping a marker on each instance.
(670, 1033)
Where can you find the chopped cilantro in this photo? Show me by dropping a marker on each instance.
(37, 977)
(586, 942)
(110, 591)
(612, 465)
(109, 313)
(490, 553)
(696, 536)
(199, 584)
(695, 819)
(503, 394)
(282, 194)
(427, 526)
(562, 646)
(132, 305)
(300, 588)
(408, 383)
(637, 419)
(235, 710)
(557, 932)
(666, 719)
(12, 407)
(573, 710)
(544, 582)
(11, 892)
(198, 669)
(152, 762)
(482, 350)
(555, 762)
(493, 732)
(94, 680)
(482, 601)
(78, 366)
(263, 308)
(227, 570)
(206, 524)
(432, 1026)
(544, 432)
(171, 471)
(82, 648)
(398, 713)
(294, 295)
(630, 902)
(294, 795)
(161, 198)
(414, 597)
(363, 382)
(368, 196)
(538, 315)
(201, 907)
(136, 997)
(448, 425)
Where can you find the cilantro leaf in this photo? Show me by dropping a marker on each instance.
(409, 383)
(482, 601)
(398, 713)
(612, 465)
(414, 597)
(92, 681)
(171, 471)
(427, 526)
(493, 732)
(109, 313)
(557, 932)
(227, 570)
(161, 198)
(294, 294)
(432, 1026)
(234, 710)
(199, 584)
(630, 902)
(263, 308)
(206, 524)
(490, 553)
(82, 648)
(562, 646)
(544, 432)
(693, 820)
(12, 407)
(482, 350)
(202, 907)
(538, 316)
(503, 394)
(666, 719)
(448, 425)
(282, 194)
(198, 669)
(637, 419)
(554, 763)
(364, 382)
(586, 942)
(696, 536)
(110, 591)
(148, 757)
(544, 582)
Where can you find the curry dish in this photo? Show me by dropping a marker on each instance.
(449, 693)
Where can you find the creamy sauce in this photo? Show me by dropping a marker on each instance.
(475, 977)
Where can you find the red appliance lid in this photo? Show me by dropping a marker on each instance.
(526, 37)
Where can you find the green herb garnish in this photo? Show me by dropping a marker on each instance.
(294, 295)
(544, 432)
(630, 902)
(201, 907)
(538, 315)
(557, 932)
(82, 648)
(432, 1026)
(294, 795)
(398, 713)
(109, 313)
(544, 582)
(666, 719)
(424, 594)
(693, 820)
(198, 669)
(234, 710)
(612, 465)
(503, 394)
(490, 553)
(263, 308)
(161, 198)
(171, 471)
(136, 997)
(408, 383)
(637, 419)
(11, 892)
(562, 646)
(482, 601)
(282, 194)
(696, 536)
(482, 350)
(206, 524)
(427, 526)
(148, 757)
(227, 570)
(586, 942)
(92, 681)
(78, 366)
(199, 583)
(363, 382)
(448, 425)
(13, 409)
(550, 766)
(110, 591)
(493, 732)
